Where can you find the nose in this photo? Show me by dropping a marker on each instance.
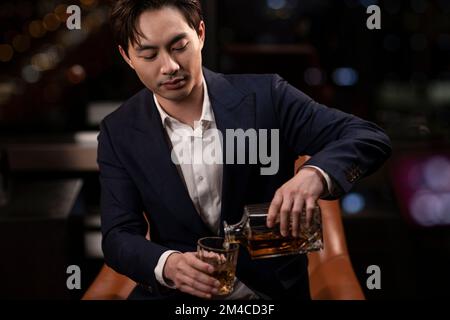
(168, 65)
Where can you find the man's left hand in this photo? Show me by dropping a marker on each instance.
(303, 190)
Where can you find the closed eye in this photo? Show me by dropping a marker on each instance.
(150, 57)
(180, 48)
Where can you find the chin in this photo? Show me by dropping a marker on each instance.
(175, 95)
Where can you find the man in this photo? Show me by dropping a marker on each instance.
(184, 201)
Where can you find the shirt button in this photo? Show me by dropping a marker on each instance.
(200, 178)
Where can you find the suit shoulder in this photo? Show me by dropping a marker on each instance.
(248, 83)
(251, 81)
(128, 109)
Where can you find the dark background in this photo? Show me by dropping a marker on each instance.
(56, 84)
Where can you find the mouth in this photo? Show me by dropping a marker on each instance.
(173, 81)
(174, 84)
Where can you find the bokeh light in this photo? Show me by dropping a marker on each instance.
(428, 209)
(42, 62)
(61, 12)
(30, 74)
(36, 29)
(276, 4)
(75, 74)
(51, 22)
(436, 172)
(88, 4)
(6, 52)
(345, 77)
(353, 203)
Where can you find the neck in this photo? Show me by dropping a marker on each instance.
(188, 110)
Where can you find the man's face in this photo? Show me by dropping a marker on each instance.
(167, 58)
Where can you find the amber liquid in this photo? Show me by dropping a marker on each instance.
(272, 243)
(263, 242)
(224, 272)
(226, 278)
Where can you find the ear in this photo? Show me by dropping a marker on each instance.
(125, 57)
(202, 33)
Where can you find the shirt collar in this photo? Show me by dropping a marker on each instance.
(207, 115)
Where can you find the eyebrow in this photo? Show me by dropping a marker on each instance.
(171, 42)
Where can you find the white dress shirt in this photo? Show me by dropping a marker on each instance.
(202, 179)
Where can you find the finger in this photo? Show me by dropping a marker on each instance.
(186, 271)
(310, 205)
(295, 216)
(285, 216)
(196, 284)
(200, 274)
(274, 210)
(194, 292)
(198, 264)
(208, 255)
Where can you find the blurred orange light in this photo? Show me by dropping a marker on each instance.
(60, 12)
(6, 52)
(36, 29)
(51, 22)
(88, 3)
(42, 62)
(76, 74)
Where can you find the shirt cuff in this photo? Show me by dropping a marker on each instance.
(159, 269)
(325, 176)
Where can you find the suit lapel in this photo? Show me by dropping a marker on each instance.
(233, 109)
(154, 157)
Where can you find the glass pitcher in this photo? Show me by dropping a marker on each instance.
(263, 242)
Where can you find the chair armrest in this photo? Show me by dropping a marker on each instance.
(109, 285)
(331, 273)
(335, 280)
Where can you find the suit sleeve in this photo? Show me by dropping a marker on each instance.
(123, 225)
(343, 145)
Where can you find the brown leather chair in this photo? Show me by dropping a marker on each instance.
(331, 273)
(109, 285)
(330, 270)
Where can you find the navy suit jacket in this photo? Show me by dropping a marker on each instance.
(137, 176)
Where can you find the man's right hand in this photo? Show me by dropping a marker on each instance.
(191, 275)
